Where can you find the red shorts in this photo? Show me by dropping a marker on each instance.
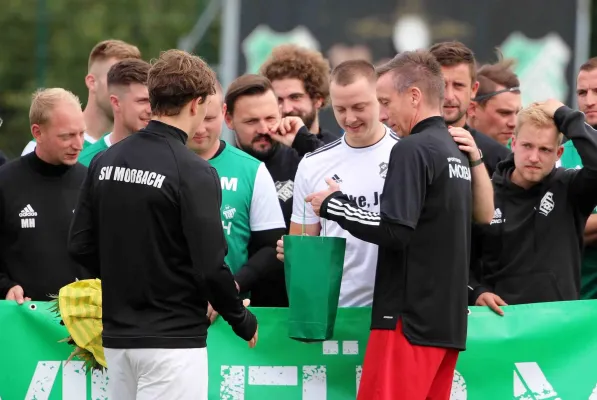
(394, 369)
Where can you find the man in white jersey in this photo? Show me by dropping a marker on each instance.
(98, 112)
(358, 161)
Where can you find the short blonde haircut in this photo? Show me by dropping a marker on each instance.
(535, 116)
(45, 100)
(112, 48)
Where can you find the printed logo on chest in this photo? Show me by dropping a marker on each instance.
(27, 216)
(547, 204)
(383, 170)
(228, 213)
(284, 189)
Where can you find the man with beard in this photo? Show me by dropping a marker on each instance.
(459, 71)
(98, 112)
(586, 94)
(253, 114)
(300, 78)
(38, 194)
(251, 214)
(127, 86)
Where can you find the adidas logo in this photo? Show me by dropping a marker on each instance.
(28, 211)
(497, 217)
(336, 178)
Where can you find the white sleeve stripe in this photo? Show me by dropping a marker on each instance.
(338, 205)
(344, 210)
(362, 212)
(364, 222)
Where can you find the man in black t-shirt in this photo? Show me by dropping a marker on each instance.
(419, 319)
(461, 85)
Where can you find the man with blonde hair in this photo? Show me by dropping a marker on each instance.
(531, 250)
(160, 254)
(38, 193)
(98, 111)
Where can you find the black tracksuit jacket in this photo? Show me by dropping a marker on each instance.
(531, 251)
(148, 225)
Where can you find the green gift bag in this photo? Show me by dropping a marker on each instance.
(313, 267)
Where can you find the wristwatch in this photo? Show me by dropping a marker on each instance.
(479, 161)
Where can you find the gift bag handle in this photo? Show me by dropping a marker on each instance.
(304, 218)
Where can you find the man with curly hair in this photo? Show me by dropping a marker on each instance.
(301, 81)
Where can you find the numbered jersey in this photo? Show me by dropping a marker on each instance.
(361, 174)
(249, 201)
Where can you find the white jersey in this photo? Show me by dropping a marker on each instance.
(361, 173)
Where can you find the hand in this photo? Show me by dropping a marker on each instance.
(253, 341)
(550, 106)
(285, 131)
(280, 249)
(465, 142)
(316, 199)
(211, 313)
(492, 301)
(17, 294)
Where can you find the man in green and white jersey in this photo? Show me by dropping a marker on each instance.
(98, 113)
(251, 214)
(127, 87)
(586, 92)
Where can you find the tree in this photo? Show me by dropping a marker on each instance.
(47, 43)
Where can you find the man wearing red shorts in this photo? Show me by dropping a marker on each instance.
(419, 316)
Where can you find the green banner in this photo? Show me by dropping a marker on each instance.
(539, 351)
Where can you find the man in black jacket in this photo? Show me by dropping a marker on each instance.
(532, 248)
(148, 224)
(419, 319)
(38, 193)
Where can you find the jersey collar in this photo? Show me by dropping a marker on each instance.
(431, 122)
(163, 129)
